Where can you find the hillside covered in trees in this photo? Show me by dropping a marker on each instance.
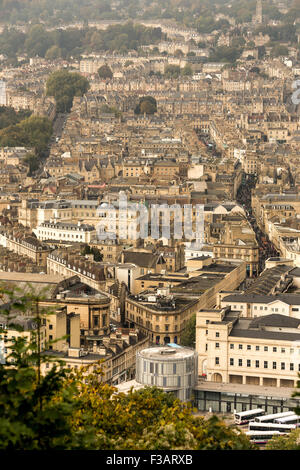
(73, 42)
(196, 13)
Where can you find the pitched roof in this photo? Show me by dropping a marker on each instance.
(275, 320)
(146, 260)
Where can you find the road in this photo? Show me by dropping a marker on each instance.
(266, 247)
(58, 127)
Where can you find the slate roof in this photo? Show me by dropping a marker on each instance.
(290, 299)
(275, 320)
(146, 260)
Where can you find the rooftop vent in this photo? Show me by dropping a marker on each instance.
(168, 351)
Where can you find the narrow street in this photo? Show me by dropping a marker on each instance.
(266, 248)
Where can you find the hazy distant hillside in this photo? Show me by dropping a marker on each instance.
(200, 14)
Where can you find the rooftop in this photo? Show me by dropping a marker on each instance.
(167, 353)
(246, 390)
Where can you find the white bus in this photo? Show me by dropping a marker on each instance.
(271, 418)
(292, 419)
(262, 437)
(244, 416)
(254, 426)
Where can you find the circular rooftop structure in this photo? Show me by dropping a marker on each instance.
(172, 368)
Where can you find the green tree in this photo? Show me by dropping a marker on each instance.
(31, 416)
(33, 162)
(147, 104)
(279, 50)
(31, 132)
(87, 250)
(188, 336)
(150, 419)
(9, 117)
(290, 441)
(38, 41)
(172, 71)
(105, 72)
(54, 52)
(64, 85)
(187, 71)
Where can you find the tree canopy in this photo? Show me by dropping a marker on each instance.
(9, 116)
(146, 105)
(64, 85)
(105, 72)
(188, 336)
(33, 132)
(73, 42)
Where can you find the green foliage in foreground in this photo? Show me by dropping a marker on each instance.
(63, 412)
(290, 441)
(74, 410)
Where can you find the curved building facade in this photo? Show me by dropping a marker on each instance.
(174, 369)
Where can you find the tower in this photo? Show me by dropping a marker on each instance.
(258, 18)
(259, 11)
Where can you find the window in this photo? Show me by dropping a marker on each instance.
(240, 362)
(283, 366)
(231, 361)
(240, 346)
(248, 346)
(217, 334)
(265, 348)
(256, 348)
(231, 346)
(283, 350)
(291, 366)
(217, 345)
(256, 363)
(274, 365)
(217, 360)
(265, 364)
(274, 349)
(248, 363)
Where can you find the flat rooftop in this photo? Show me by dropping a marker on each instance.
(30, 277)
(125, 387)
(167, 353)
(260, 391)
